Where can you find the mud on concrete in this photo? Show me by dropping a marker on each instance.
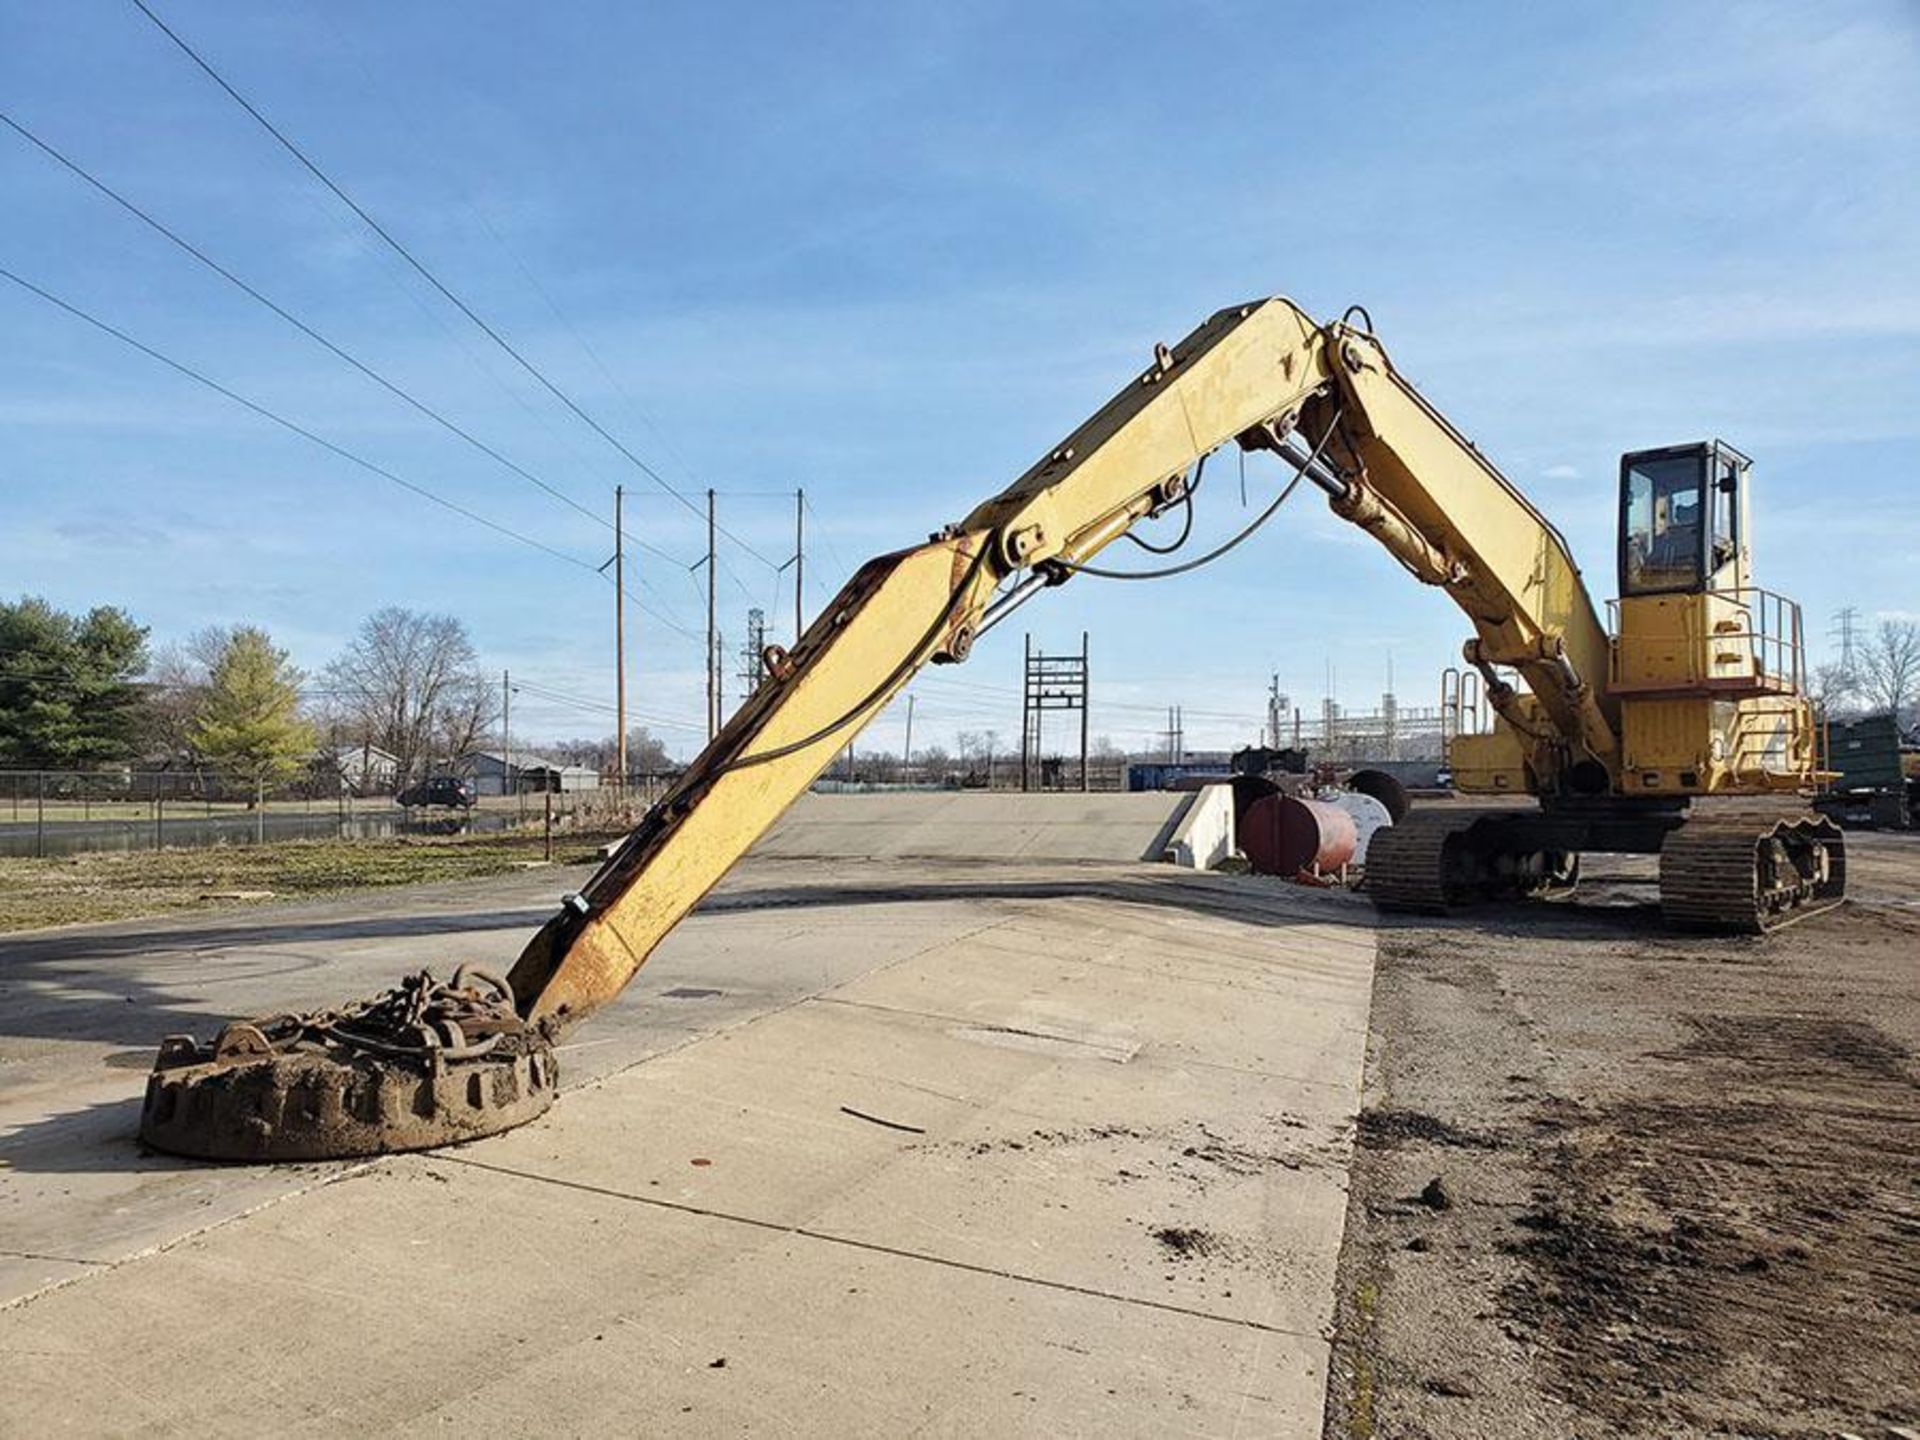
(1684, 1176)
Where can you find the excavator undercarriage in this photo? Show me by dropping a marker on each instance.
(1723, 867)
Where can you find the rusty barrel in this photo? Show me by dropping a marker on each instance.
(1385, 788)
(1284, 835)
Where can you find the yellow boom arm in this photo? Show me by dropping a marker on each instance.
(1324, 398)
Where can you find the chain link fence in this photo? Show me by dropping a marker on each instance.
(74, 811)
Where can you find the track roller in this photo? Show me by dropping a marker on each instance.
(1751, 873)
(1440, 861)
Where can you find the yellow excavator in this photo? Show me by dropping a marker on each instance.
(1681, 729)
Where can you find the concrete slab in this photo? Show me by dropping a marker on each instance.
(73, 1181)
(891, 1345)
(977, 825)
(1128, 1093)
(424, 1295)
(82, 1009)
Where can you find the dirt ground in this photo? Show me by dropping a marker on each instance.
(1614, 1181)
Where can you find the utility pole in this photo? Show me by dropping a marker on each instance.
(799, 564)
(1086, 696)
(507, 787)
(620, 637)
(713, 689)
(1026, 718)
(906, 754)
(1390, 716)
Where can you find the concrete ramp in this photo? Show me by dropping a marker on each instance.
(974, 825)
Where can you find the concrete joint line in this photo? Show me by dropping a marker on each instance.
(105, 1267)
(874, 1247)
(696, 1037)
(56, 1259)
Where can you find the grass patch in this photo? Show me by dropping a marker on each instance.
(79, 889)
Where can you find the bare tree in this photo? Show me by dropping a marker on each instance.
(411, 684)
(646, 753)
(1835, 688)
(980, 749)
(1890, 667)
(177, 677)
(465, 716)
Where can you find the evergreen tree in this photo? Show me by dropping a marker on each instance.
(67, 695)
(249, 723)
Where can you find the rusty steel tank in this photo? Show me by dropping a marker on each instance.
(1369, 817)
(1287, 835)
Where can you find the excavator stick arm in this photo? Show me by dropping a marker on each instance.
(896, 614)
(1242, 375)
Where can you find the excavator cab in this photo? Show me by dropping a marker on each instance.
(1682, 509)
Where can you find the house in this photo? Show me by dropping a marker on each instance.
(528, 773)
(575, 777)
(363, 769)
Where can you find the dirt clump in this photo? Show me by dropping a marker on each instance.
(1185, 1242)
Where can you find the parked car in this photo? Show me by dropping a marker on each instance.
(448, 790)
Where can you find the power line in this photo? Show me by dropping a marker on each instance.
(577, 702)
(221, 270)
(321, 440)
(305, 329)
(427, 275)
(409, 118)
(214, 265)
(826, 542)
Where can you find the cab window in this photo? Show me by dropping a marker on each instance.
(1661, 534)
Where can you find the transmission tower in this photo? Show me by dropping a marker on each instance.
(1053, 682)
(1844, 621)
(753, 661)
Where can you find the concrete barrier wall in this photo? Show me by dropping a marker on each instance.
(1204, 835)
(974, 825)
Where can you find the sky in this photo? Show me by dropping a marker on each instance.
(891, 254)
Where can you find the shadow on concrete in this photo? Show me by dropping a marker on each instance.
(1248, 905)
(1612, 909)
(74, 985)
(78, 985)
(168, 937)
(100, 1138)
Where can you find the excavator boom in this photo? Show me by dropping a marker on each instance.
(1265, 375)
